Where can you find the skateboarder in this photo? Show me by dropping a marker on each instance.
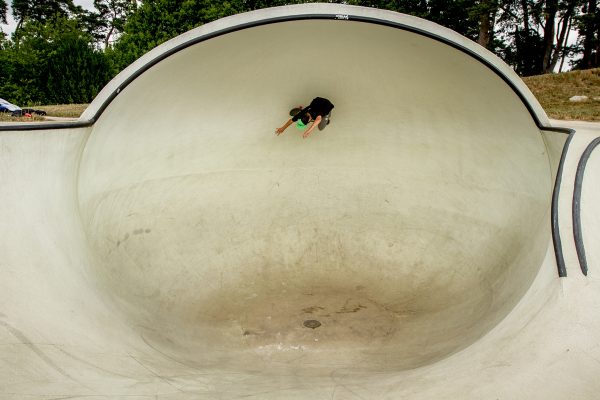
(318, 112)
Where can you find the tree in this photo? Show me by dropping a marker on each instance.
(567, 12)
(76, 72)
(3, 11)
(535, 33)
(485, 12)
(551, 8)
(111, 16)
(528, 43)
(589, 35)
(53, 62)
(157, 21)
(250, 5)
(4, 61)
(40, 10)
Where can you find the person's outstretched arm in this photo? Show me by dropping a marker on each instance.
(312, 127)
(279, 131)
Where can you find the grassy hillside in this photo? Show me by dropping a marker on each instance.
(553, 91)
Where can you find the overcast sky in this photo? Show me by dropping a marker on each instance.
(8, 29)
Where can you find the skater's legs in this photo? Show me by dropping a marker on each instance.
(324, 121)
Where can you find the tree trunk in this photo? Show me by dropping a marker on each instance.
(563, 35)
(588, 40)
(551, 9)
(484, 30)
(108, 36)
(525, 17)
(597, 62)
(564, 52)
(486, 23)
(523, 43)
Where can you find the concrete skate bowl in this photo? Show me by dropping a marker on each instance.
(399, 235)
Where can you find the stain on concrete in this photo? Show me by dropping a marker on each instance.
(310, 310)
(347, 308)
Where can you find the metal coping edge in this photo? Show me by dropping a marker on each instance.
(577, 231)
(48, 125)
(556, 240)
(267, 21)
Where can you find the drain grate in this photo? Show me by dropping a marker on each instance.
(312, 323)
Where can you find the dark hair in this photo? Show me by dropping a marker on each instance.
(305, 119)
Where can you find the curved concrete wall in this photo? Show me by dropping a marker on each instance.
(173, 247)
(408, 228)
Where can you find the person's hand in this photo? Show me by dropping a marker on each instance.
(305, 135)
(279, 131)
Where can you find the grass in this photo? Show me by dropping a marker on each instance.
(61, 111)
(65, 110)
(554, 90)
(4, 117)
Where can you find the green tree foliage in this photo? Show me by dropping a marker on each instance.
(76, 72)
(157, 21)
(3, 11)
(4, 62)
(535, 33)
(40, 10)
(53, 62)
(588, 26)
(109, 19)
(456, 15)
